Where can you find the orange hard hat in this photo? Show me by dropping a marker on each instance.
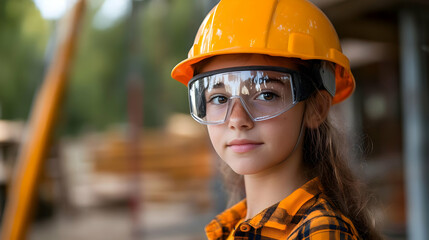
(284, 28)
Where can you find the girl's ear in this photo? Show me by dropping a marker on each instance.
(317, 109)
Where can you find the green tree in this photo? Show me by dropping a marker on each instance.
(23, 37)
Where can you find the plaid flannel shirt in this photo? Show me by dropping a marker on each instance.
(305, 214)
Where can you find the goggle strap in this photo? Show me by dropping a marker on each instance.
(324, 73)
(322, 77)
(304, 86)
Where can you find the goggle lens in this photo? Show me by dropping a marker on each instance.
(263, 93)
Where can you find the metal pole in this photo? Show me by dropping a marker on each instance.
(415, 143)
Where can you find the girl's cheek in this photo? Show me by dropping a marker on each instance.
(215, 136)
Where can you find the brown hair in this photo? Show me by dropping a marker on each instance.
(325, 157)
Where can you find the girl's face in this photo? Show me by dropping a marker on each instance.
(255, 147)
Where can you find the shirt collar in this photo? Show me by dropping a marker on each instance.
(225, 222)
(279, 216)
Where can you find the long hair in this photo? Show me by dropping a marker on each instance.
(325, 157)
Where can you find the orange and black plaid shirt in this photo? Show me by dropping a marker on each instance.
(305, 214)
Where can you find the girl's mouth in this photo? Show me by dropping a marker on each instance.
(243, 145)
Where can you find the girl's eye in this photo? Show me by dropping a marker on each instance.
(267, 96)
(218, 99)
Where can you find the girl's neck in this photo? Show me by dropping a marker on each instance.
(267, 188)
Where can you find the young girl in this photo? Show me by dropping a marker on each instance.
(262, 76)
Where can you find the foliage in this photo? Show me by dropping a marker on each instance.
(23, 37)
(96, 97)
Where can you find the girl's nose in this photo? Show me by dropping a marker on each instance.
(239, 118)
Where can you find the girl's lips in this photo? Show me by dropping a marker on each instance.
(242, 146)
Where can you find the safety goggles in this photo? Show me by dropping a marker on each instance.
(264, 92)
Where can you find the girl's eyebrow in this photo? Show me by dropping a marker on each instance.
(218, 85)
(268, 80)
(255, 81)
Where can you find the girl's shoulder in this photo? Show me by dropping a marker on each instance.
(323, 221)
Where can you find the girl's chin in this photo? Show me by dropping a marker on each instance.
(244, 170)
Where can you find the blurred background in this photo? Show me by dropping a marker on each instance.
(127, 162)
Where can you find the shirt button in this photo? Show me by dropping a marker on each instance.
(244, 227)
